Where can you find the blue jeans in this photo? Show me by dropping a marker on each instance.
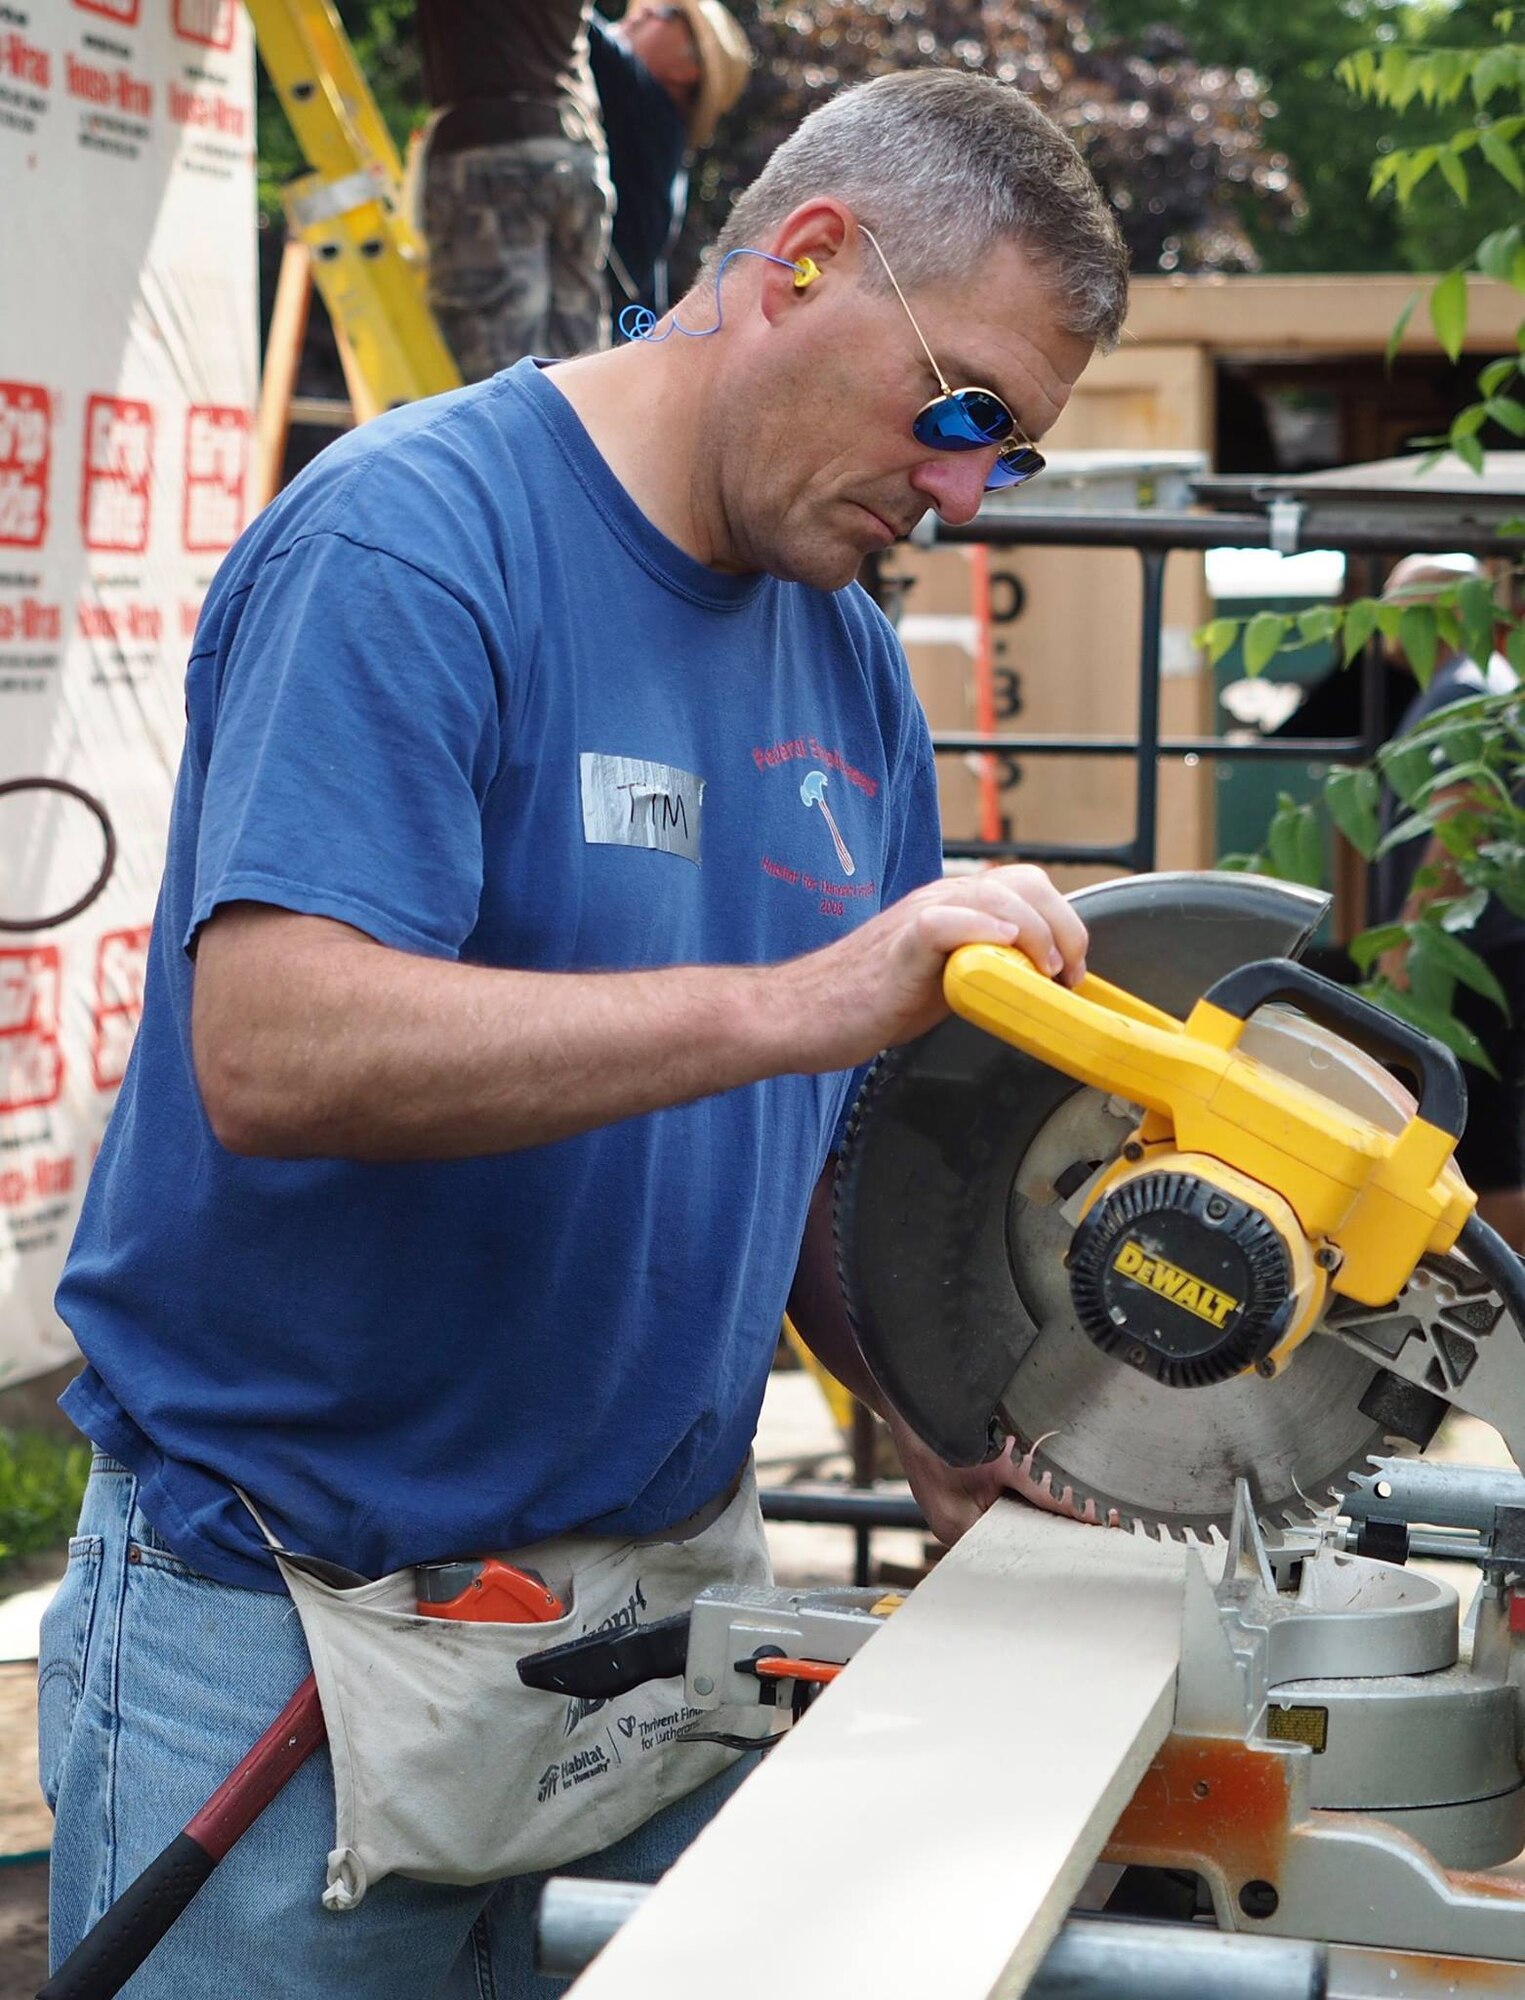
(153, 1681)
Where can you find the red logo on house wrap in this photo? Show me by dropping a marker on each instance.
(31, 1059)
(121, 967)
(119, 463)
(216, 467)
(26, 452)
(209, 22)
(123, 12)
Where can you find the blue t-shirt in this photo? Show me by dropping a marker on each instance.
(454, 689)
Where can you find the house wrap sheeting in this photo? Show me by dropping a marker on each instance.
(128, 373)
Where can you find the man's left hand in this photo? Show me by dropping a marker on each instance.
(953, 1497)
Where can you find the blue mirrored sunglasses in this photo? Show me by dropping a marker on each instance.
(970, 420)
(966, 419)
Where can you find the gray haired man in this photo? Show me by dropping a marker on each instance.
(509, 992)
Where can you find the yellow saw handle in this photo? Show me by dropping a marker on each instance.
(1383, 1200)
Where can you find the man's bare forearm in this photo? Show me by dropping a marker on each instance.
(313, 1040)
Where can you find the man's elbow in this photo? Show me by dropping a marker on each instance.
(249, 1108)
(237, 1111)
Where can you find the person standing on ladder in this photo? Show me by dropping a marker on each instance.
(514, 176)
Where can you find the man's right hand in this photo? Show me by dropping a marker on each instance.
(883, 983)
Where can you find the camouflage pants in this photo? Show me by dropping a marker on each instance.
(517, 236)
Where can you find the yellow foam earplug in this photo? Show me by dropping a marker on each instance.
(806, 271)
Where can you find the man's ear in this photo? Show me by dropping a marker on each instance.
(809, 242)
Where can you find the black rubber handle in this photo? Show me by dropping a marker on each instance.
(604, 1664)
(1442, 1088)
(106, 1958)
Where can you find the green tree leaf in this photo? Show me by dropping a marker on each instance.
(1384, 170)
(1495, 257)
(1509, 413)
(1397, 76)
(1463, 911)
(1454, 173)
(1318, 623)
(1412, 168)
(1295, 843)
(1412, 828)
(1353, 797)
(1448, 311)
(1493, 71)
(1470, 452)
(1474, 604)
(1217, 638)
(1450, 72)
(1459, 961)
(1262, 639)
(1419, 639)
(1368, 946)
(1360, 623)
(1500, 154)
(1400, 328)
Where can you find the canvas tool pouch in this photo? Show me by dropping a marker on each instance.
(447, 1768)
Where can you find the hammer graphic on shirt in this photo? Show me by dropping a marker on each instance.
(813, 792)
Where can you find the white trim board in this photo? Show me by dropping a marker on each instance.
(928, 1826)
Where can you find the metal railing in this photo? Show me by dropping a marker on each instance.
(1154, 536)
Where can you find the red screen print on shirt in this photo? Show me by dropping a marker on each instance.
(829, 789)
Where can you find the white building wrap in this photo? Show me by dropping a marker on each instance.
(128, 373)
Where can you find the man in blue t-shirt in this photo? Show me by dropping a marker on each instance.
(554, 842)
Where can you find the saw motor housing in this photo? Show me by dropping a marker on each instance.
(1244, 1196)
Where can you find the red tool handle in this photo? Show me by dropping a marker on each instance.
(107, 1956)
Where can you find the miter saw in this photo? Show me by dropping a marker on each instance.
(1182, 1236)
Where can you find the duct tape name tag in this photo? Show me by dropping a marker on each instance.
(633, 802)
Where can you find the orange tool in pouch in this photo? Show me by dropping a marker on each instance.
(485, 1590)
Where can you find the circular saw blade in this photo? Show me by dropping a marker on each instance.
(957, 1198)
(1106, 1441)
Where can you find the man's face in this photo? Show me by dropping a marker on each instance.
(663, 39)
(817, 465)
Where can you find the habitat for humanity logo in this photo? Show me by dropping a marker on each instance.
(813, 793)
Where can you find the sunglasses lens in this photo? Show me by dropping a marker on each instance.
(969, 420)
(1019, 462)
(988, 415)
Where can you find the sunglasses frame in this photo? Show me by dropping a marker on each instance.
(1017, 456)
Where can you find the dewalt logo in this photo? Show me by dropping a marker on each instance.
(1191, 1294)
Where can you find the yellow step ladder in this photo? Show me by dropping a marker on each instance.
(348, 227)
